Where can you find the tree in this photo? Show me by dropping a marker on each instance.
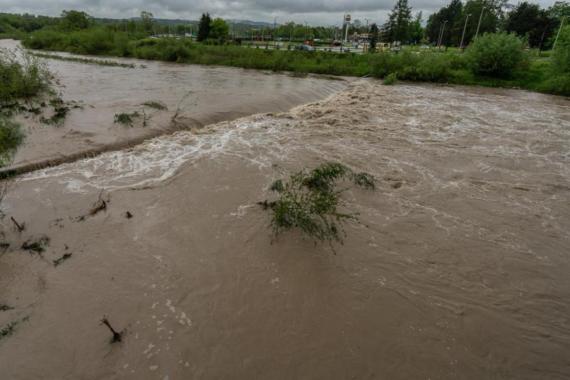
(416, 29)
(446, 24)
(559, 9)
(373, 37)
(219, 30)
(529, 21)
(74, 20)
(204, 27)
(398, 26)
(492, 17)
(147, 20)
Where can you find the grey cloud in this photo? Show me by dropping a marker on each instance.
(312, 11)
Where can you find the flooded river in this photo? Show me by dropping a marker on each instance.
(193, 95)
(458, 269)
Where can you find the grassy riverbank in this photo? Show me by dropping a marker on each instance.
(444, 67)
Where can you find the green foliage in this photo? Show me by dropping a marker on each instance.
(309, 201)
(398, 26)
(529, 21)
(15, 26)
(456, 15)
(60, 111)
(74, 20)
(204, 27)
(390, 79)
(147, 21)
(561, 53)
(373, 37)
(20, 79)
(429, 67)
(126, 119)
(496, 55)
(11, 136)
(559, 9)
(219, 30)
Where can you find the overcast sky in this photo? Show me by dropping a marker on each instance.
(315, 12)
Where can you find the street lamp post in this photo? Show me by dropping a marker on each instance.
(480, 19)
(464, 29)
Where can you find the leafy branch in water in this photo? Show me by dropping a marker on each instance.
(309, 200)
(128, 119)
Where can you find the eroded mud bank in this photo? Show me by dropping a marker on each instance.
(458, 270)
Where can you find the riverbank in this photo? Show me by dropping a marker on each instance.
(450, 67)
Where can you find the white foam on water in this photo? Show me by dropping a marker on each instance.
(159, 159)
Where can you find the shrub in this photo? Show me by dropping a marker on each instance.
(11, 137)
(308, 200)
(126, 119)
(561, 53)
(496, 55)
(390, 79)
(21, 79)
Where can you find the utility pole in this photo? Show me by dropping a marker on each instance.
(559, 30)
(274, 30)
(442, 32)
(464, 29)
(480, 19)
(347, 19)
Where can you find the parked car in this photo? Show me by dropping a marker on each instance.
(304, 48)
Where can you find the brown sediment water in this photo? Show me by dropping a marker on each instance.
(194, 96)
(458, 269)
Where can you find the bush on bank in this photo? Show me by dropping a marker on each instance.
(496, 55)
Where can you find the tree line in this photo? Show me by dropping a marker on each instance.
(462, 21)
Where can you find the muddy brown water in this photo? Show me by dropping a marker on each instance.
(194, 96)
(458, 269)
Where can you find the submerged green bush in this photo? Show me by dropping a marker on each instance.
(21, 79)
(390, 79)
(126, 119)
(496, 54)
(309, 201)
(561, 53)
(11, 137)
